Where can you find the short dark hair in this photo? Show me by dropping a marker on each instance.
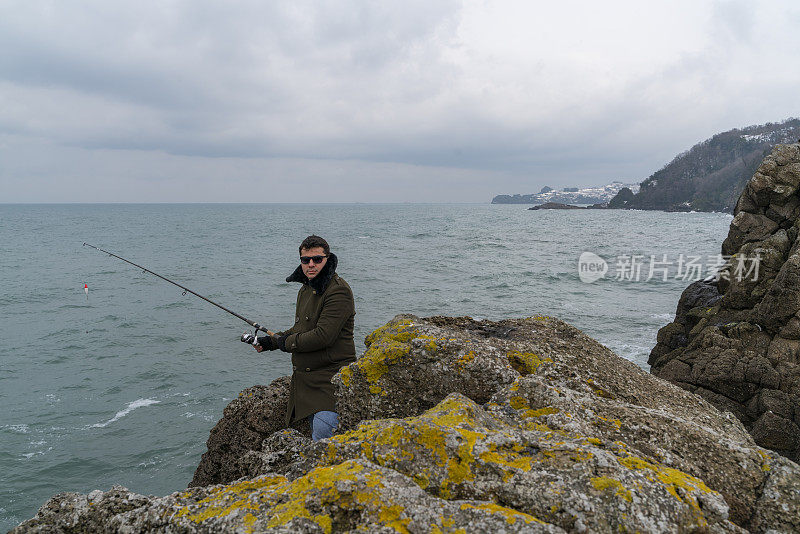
(314, 241)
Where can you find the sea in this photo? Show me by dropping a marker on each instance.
(122, 383)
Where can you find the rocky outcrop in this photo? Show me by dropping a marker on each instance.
(622, 199)
(255, 414)
(451, 424)
(405, 370)
(556, 206)
(735, 341)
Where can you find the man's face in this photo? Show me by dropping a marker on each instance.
(312, 268)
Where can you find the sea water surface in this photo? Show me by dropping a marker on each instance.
(123, 387)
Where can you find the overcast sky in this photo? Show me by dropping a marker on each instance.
(339, 101)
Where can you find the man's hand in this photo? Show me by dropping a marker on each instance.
(266, 343)
(259, 348)
(262, 343)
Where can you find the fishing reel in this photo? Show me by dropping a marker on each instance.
(249, 338)
(252, 339)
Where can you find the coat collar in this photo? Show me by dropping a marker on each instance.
(319, 282)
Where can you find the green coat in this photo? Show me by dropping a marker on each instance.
(321, 340)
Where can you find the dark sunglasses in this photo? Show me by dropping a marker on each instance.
(305, 260)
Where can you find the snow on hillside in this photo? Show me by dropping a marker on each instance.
(568, 195)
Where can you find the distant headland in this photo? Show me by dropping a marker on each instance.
(710, 176)
(568, 195)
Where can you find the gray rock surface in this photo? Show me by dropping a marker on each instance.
(457, 425)
(736, 341)
(255, 414)
(410, 366)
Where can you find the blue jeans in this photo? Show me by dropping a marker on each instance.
(323, 424)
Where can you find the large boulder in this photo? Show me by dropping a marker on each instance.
(735, 340)
(543, 430)
(247, 420)
(411, 365)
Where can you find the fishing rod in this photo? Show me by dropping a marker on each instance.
(187, 290)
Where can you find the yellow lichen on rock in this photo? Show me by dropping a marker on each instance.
(248, 520)
(455, 415)
(402, 331)
(431, 346)
(547, 410)
(616, 422)
(428, 440)
(530, 415)
(562, 453)
(510, 459)
(764, 460)
(673, 480)
(421, 480)
(445, 522)
(536, 414)
(391, 516)
(465, 358)
(581, 455)
(381, 442)
(519, 403)
(526, 363)
(231, 499)
(386, 345)
(435, 529)
(599, 391)
(672, 477)
(322, 486)
(286, 501)
(604, 483)
(510, 514)
(345, 374)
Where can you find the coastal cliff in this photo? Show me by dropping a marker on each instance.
(712, 174)
(709, 176)
(450, 425)
(736, 340)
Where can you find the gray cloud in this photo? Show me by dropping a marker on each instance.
(338, 91)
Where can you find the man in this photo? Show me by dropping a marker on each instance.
(321, 340)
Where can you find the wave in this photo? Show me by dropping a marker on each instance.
(501, 285)
(18, 429)
(25, 299)
(203, 416)
(164, 338)
(128, 409)
(175, 304)
(29, 455)
(661, 317)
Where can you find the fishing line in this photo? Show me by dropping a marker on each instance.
(185, 289)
